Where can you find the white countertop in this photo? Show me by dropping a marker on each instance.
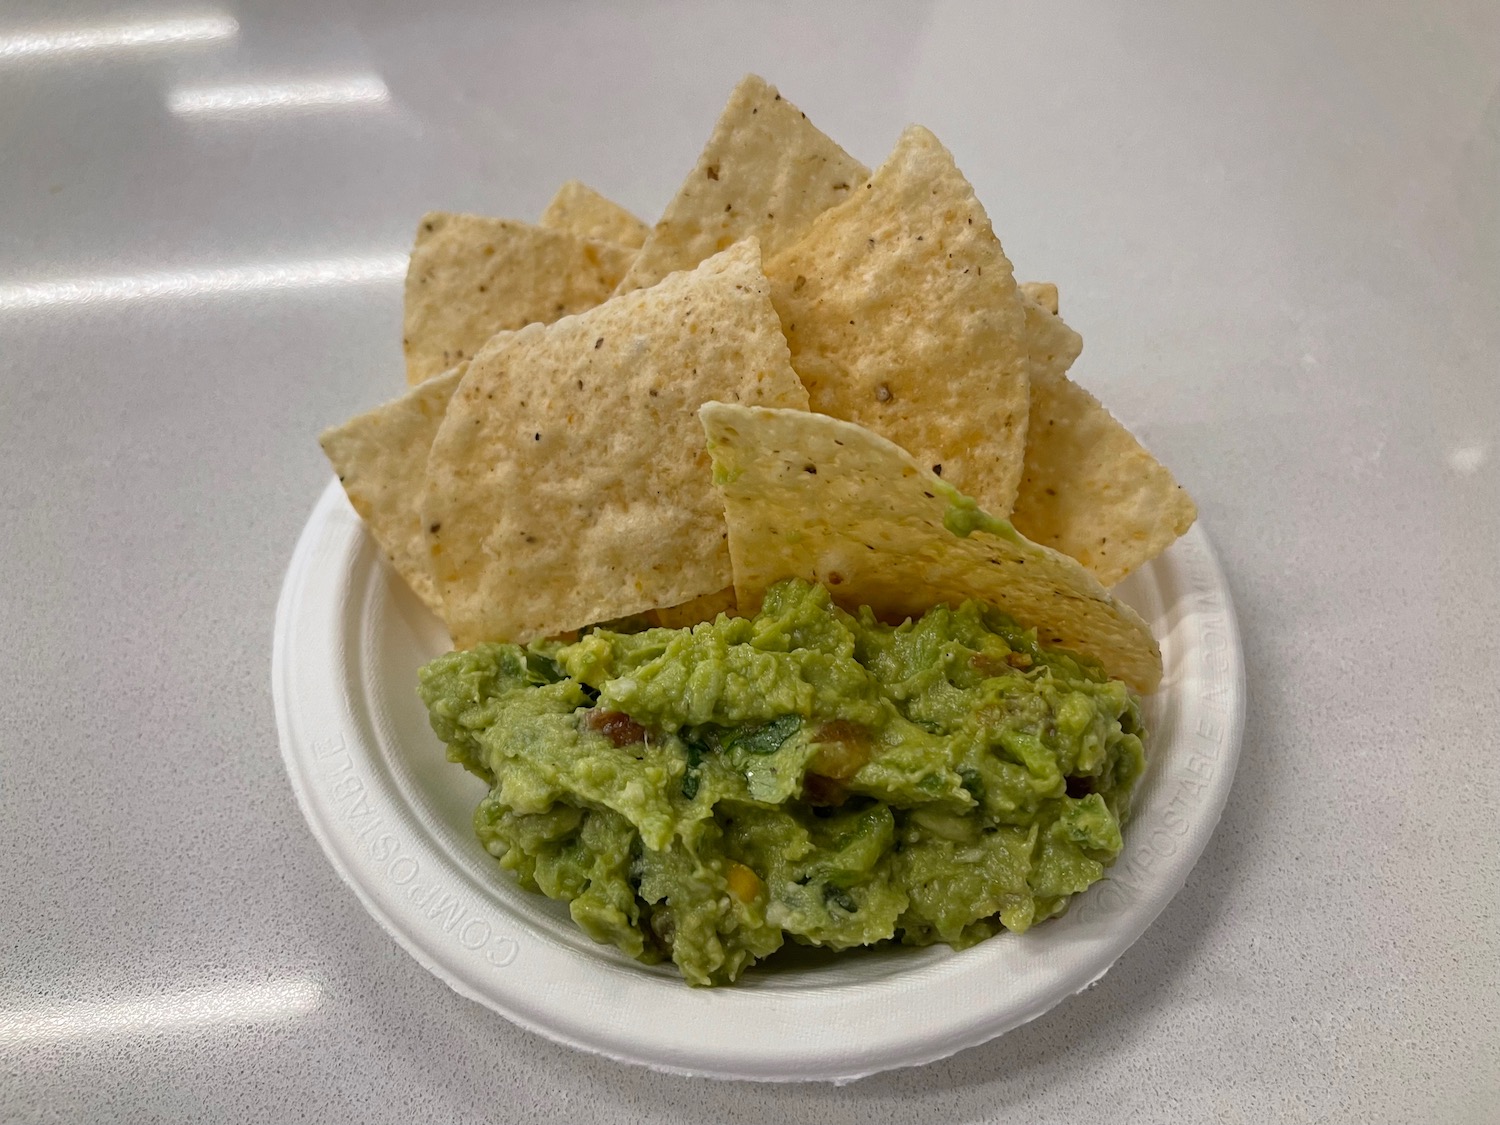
(1276, 225)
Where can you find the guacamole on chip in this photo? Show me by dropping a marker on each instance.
(805, 775)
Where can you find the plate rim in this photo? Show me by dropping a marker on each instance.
(332, 524)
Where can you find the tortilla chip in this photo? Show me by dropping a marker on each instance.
(1043, 293)
(814, 497)
(1051, 347)
(766, 172)
(471, 277)
(902, 315)
(695, 612)
(1091, 490)
(579, 210)
(568, 483)
(381, 460)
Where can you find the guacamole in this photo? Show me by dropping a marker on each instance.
(806, 774)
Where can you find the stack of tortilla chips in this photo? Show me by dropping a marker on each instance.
(804, 368)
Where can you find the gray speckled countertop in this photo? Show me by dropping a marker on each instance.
(1278, 228)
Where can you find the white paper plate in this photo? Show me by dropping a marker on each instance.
(394, 817)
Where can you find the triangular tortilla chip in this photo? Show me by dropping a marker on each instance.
(813, 497)
(579, 210)
(381, 460)
(1089, 488)
(902, 315)
(766, 172)
(471, 277)
(568, 483)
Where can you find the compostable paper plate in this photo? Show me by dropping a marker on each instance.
(394, 816)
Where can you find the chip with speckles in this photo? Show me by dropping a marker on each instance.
(765, 173)
(809, 496)
(902, 315)
(472, 276)
(1088, 487)
(579, 210)
(381, 460)
(568, 483)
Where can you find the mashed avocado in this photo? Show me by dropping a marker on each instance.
(706, 794)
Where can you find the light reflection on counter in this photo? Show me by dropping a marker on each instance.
(1467, 459)
(176, 284)
(364, 91)
(199, 1009)
(62, 42)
